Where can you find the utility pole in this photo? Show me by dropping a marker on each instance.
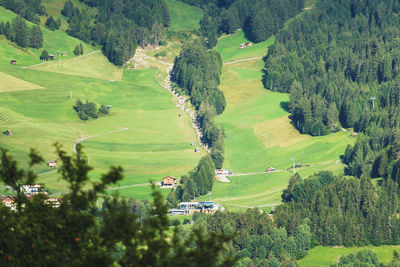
(70, 96)
(88, 162)
(373, 102)
(294, 165)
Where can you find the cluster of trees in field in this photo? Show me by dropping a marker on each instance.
(196, 183)
(78, 233)
(28, 9)
(19, 32)
(89, 110)
(119, 25)
(259, 19)
(53, 24)
(333, 60)
(197, 71)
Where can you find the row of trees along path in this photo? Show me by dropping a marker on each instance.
(181, 103)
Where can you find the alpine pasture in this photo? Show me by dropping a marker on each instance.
(183, 17)
(259, 134)
(156, 142)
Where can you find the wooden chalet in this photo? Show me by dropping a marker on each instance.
(13, 61)
(52, 163)
(169, 181)
(51, 57)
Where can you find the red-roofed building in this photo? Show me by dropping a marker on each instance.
(169, 181)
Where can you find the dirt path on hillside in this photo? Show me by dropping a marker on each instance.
(144, 61)
(52, 61)
(242, 60)
(89, 137)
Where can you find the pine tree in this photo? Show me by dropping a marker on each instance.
(44, 55)
(36, 37)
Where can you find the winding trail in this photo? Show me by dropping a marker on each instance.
(181, 100)
(97, 135)
(242, 60)
(48, 62)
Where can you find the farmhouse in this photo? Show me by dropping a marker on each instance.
(169, 181)
(8, 133)
(13, 61)
(197, 150)
(9, 202)
(51, 57)
(33, 189)
(242, 46)
(64, 54)
(52, 163)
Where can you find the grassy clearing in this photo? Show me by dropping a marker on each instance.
(95, 66)
(157, 142)
(228, 47)
(259, 135)
(9, 83)
(325, 256)
(310, 3)
(183, 16)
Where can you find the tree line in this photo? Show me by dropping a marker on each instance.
(119, 25)
(197, 182)
(20, 33)
(259, 19)
(28, 9)
(197, 71)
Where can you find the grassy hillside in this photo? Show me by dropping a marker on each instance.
(183, 16)
(54, 41)
(259, 135)
(325, 256)
(93, 65)
(155, 144)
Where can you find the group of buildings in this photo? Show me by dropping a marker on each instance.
(189, 208)
(30, 192)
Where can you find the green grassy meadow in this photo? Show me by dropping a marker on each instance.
(259, 135)
(228, 47)
(325, 256)
(156, 144)
(183, 16)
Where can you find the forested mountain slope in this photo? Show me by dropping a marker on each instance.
(259, 19)
(340, 62)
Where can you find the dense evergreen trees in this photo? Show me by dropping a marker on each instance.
(197, 71)
(259, 19)
(28, 9)
(18, 31)
(197, 182)
(53, 24)
(119, 26)
(257, 241)
(342, 211)
(333, 59)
